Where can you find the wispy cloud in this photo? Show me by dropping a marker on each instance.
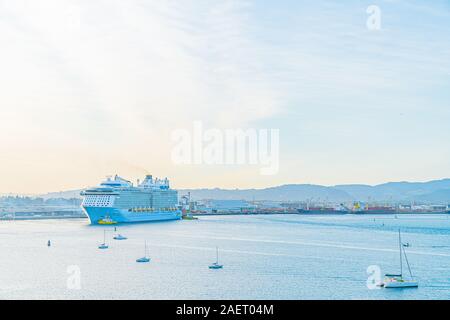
(113, 76)
(102, 84)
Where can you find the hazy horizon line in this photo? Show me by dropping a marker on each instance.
(228, 189)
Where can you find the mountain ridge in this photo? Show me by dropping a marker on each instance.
(404, 191)
(434, 191)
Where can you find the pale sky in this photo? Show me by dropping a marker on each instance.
(92, 88)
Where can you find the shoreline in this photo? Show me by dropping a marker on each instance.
(197, 215)
(317, 214)
(42, 218)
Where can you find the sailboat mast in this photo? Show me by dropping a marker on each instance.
(400, 250)
(407, 263)
(217, 254)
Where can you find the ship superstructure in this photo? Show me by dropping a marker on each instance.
(117, 200)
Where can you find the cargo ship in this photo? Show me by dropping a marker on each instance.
(368, 209)
(117, 200)
(379, 210)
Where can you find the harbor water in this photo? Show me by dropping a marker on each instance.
(264, 257)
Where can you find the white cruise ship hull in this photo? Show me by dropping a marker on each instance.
(96, 215)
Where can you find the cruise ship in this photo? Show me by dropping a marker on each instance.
(117, 200)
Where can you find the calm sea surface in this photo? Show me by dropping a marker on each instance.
(264, 257)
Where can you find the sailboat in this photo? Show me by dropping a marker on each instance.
(397, 280)
(216, 264)
(119, 236)
(103, 245)
(144, 258)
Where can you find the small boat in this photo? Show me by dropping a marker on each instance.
(397, 280)
(107, 221)
(49, 243)
(103, 245)
(120, 237)
(145, 258)
(216, 264)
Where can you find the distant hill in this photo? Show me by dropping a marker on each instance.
(401, 191)
(438, 196)
(291, 192)
(436, 191)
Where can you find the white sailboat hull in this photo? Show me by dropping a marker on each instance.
(401, 284)
(396, 280)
